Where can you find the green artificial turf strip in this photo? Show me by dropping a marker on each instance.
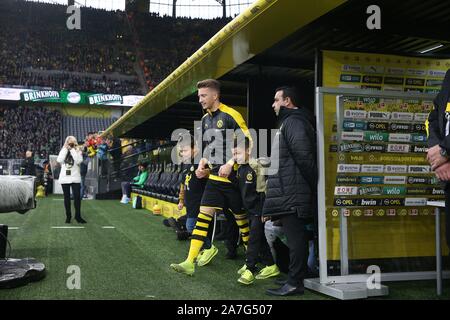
(132, 261)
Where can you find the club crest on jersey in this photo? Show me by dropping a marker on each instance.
(249, 177)
(219, 124)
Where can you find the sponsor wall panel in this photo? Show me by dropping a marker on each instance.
(376, 169)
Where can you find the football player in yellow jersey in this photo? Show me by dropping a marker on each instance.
(221, 191)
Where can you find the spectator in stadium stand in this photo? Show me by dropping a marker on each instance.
(128, 147)
(91, 143)
(291, 191)
(20, 129)
(83, 171)
(70, 158)
(438, 124)
(28, 168)
(48, 178)
(116, 154)
(137, 181)
(102, 154)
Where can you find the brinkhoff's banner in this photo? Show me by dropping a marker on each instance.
(376, 170)
(67, 97)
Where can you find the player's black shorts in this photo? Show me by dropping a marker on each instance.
(222, 195)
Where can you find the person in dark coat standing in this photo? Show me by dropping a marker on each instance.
(28, 168)
(438, 129)
(116, 154)
(292, 190)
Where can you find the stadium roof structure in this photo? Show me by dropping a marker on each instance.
(279, 39)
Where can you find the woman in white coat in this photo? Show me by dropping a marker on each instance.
(70, 158)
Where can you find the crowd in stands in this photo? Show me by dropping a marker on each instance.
(174, 42)
(35, 39)
(26, 43)
(71, 82)
(33, 128)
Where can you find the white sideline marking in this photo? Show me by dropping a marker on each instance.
(64, 227)
(13, 228)
(67, 227)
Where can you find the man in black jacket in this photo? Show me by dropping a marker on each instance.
(438, 127)
(292, 191)
(28, 168)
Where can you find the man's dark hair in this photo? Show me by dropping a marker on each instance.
(144, 164)
(209, 83)
(290, 92)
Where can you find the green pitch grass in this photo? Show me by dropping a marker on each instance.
(131, 260)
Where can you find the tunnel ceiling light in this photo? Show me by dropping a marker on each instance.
(431, 48)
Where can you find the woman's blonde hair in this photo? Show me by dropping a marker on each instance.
(72, 138)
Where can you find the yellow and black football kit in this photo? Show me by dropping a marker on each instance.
(193, 189)
(220, 193)
(252, 186)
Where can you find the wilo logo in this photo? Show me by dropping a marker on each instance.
(375, 136)
(394, 190)
(74, 281)
(374, 280)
